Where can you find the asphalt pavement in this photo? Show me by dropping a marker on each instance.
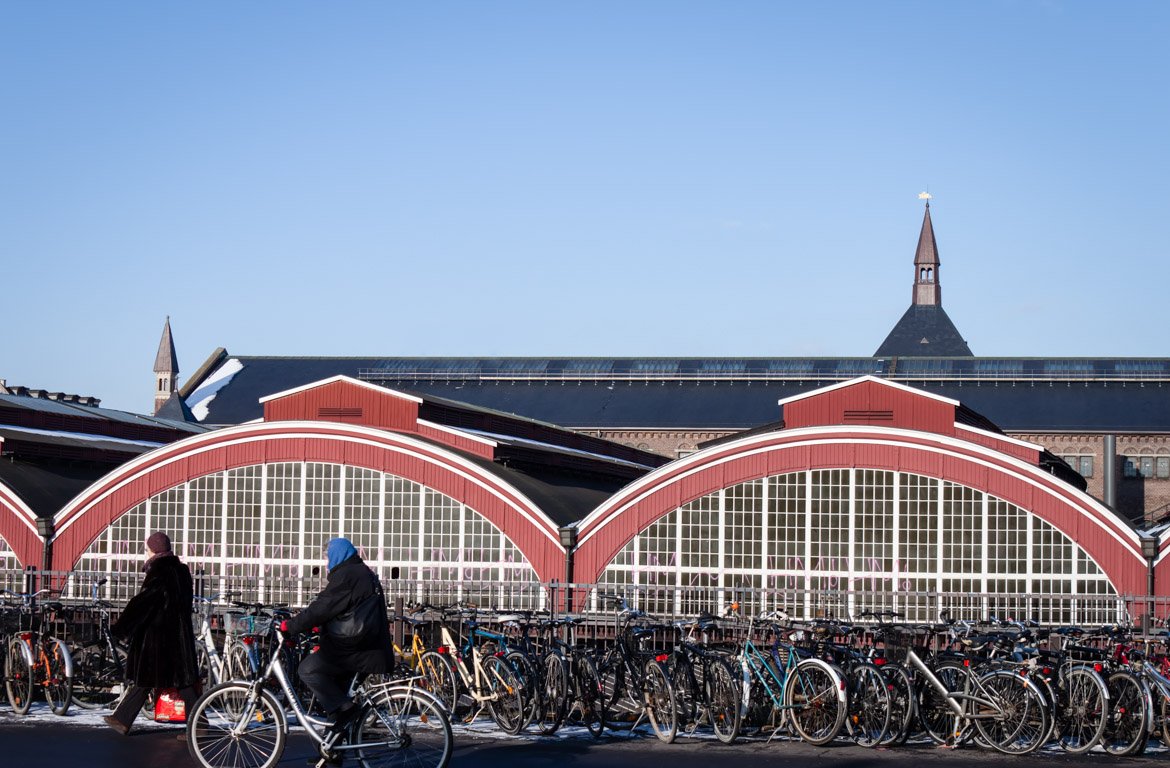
(80, 738)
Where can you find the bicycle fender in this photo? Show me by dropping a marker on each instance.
(838, 680)
(25, 649)
(414, 690)
(63, 650)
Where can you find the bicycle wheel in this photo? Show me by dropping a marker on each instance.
(724, 700)
(869, 705)
(57, 665)
(232, 726)
(530, 689)
(1020, 723)
(686, 687)
(507, 705)
(587, 708)
(658, 698)
(97, 677)
(554, 693)
(1164, 710)
(439, 679)
(902, 705)
(935, 715)
(814, 698)
(1128, 727)
(403, 728)
(236, 664)
(616, 708)
(18, 676)
(1082, 710)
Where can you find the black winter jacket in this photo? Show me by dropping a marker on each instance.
(157, 622)
(349, 583)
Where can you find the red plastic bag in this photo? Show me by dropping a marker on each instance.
(169, 707)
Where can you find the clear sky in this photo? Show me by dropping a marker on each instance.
(610, 178)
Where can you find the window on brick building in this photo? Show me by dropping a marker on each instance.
(1162, 467)
(1081, 464)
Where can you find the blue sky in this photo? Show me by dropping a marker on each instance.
(591, 178)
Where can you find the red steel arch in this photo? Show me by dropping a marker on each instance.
(1111, 542)
(79, 523)
(18, 527)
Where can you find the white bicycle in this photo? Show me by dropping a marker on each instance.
(242, 724)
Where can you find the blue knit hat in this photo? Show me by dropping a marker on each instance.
(337, 551)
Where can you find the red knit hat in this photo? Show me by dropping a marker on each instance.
(158, 542)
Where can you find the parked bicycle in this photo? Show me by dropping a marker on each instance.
(36, 661)
(788, 685)
(635, 683)
(479, 672)
(99, 662)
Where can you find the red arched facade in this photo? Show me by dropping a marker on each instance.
(428, 464)
(19, 528)
(871, 423)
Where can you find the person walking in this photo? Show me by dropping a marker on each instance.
(355, 631)
(157, 623)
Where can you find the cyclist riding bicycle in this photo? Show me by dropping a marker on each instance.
(355, 631)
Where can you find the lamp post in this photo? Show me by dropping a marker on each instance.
(1150, 552)
(45, 529)
(568, 536)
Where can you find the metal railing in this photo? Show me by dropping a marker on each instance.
(1057, 609)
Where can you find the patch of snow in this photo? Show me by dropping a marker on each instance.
(199, 401)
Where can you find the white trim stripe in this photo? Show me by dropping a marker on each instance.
(334, 379)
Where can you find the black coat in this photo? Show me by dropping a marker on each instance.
(157, 622)
(349, 583)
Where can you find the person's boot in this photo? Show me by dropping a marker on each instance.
(117, 724)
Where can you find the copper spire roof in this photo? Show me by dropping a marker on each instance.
(166, 361)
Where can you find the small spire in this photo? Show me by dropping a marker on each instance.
(166, 361)
(927, 289)
(166, 368)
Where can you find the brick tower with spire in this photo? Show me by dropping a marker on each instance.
(166, 369)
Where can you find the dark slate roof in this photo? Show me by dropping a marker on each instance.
(174, 409)
(1016, 394)
(924, 331)
(48, 486)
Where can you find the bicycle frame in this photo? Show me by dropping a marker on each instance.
(217, 665)
(475, 680)
(315, 727)
(955, 700)
(756, 667)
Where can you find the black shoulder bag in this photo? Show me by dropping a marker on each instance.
(361, 620)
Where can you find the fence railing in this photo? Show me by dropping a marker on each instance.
(76, 587)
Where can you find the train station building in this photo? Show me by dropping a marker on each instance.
(896, 476)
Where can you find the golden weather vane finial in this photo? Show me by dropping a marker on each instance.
(924, 196)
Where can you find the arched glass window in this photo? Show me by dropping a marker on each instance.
(263, 529)
(840, 541)
(9, 565)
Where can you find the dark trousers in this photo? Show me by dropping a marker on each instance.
(131, 704)
(327, 679)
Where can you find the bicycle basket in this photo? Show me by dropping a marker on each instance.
(237, 623)
(261, 625)
(897, 646)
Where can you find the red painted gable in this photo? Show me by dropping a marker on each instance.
(875, 402)
(871, 402)
(349, 401)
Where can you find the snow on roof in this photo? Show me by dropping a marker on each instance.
(81, 436)
(199, 401)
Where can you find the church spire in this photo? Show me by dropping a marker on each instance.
(166, 368)
(925, 330)
(927, 290)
